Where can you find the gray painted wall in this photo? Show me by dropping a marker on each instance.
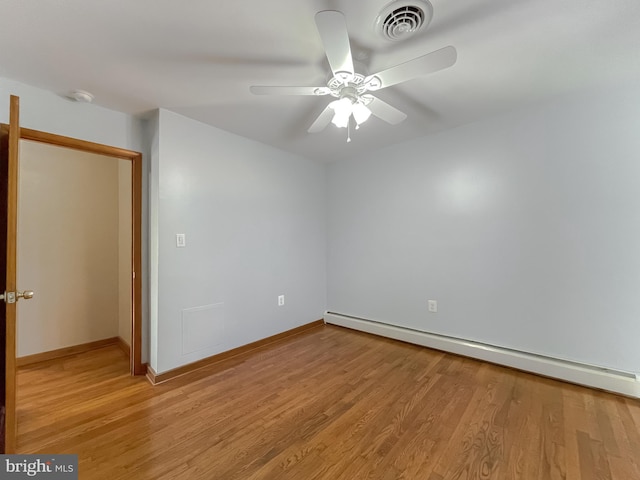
(48, 112)
(254, 219)
(152, 135)
(525, 228)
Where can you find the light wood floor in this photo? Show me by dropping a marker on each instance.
(327, 404)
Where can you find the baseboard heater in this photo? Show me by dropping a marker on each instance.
(624, 383)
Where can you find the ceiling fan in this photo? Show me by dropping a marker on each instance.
(352, 89)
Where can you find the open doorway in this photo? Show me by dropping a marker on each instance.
(10, 136)
(125, 163)
(74, 249)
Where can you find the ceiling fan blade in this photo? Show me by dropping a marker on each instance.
(429, 63)
(322, 121)
(332, 27)
(269, 90)
(386, 112)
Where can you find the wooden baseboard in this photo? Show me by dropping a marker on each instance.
(152, 376)
(64, 352)
(124, 346)
(156, 378)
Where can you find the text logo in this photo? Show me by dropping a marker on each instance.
(50, 467)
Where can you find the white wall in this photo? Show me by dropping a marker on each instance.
(67, 248)
(254, 219)
(152, 135)
(49, 112)
(524, 227)
(124, 250)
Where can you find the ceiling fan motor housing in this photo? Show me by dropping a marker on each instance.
(402, 19)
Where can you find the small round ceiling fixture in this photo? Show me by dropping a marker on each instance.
(402, 19)
(81, 96)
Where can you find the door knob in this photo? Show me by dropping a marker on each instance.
(11, 297)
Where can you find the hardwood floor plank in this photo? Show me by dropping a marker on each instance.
(605, 427)
(621, 462)
(553, 465)
(327, 404)
(425, 437)
(522, 443)
(573, 409)
(478, 441)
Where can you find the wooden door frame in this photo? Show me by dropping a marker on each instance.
(135, 357)
(11, 135)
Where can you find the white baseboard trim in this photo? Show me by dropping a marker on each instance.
(624, 383)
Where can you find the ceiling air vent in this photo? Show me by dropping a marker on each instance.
(402, 19)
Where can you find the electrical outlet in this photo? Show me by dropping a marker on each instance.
(433, 306)
(280, 300)
(181, 240)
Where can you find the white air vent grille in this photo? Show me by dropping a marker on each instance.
(402, 19)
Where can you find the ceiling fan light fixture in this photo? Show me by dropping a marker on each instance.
(360, 113)
(346, 107)
(343, 109)
(341, 121)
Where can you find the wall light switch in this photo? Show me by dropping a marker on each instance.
(181, 240)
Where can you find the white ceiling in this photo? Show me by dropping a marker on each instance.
(198, 58)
